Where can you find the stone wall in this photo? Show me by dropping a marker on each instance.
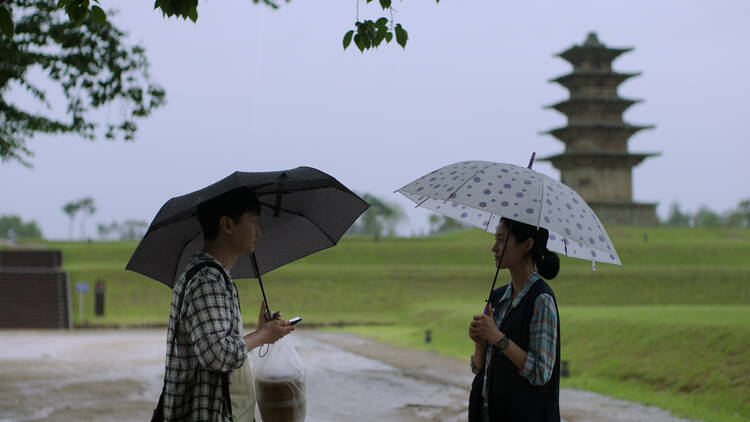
(628, 213)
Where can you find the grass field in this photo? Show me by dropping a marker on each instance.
(671, 328)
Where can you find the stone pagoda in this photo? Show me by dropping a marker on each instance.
(596, 162)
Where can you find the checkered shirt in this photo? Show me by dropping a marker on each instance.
(208, 342)
(540, 360)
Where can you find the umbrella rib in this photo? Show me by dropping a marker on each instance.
(541, 203)
(190, 213)
(288, 190)
(305, 217)
(467, 180)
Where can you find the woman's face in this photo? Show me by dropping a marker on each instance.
(515, 252)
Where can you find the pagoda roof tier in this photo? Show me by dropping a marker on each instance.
(572, 104)
(594, 49)
(610, 203)
(597, 159)
(592, 78)
(574, 130)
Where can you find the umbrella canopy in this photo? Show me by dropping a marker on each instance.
(479, 193)
(303, 210)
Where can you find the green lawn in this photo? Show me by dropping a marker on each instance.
(671, 328)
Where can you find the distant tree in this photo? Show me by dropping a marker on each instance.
(106, 230)
(87, 209)
(127, 230)
(71, 209)
(441, 224)
(133, 229)
(676, 217)
(740, 216)
(381, 218)
(13, 226)
(706, 217)
(85, 206)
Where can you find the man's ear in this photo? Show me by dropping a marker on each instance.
(225, 224)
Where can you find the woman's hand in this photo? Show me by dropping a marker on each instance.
(483, 327)
(474, 333)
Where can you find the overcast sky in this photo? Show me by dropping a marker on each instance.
(253, 89)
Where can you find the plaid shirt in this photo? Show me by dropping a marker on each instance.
(540, 360)
(208, 341)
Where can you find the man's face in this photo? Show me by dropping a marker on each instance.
(245, 232)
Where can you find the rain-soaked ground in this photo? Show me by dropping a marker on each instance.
(116, 375)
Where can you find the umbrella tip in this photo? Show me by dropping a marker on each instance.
(531, 161)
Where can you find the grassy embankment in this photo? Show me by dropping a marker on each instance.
(671, 329)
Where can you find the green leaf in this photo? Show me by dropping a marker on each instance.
(379, 38)
(366, 42)
(382, 22)
(98, 15)
(63, 3)
(385, 4)
(78, 15)
(6, 23)
(193, 13)
(388, 36)
(358, 42)
(348, 39)
(401, 36)
(370, 27)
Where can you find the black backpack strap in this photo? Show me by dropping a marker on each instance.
(224, 375)
(188, 277)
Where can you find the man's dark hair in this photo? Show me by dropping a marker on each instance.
(231, 204)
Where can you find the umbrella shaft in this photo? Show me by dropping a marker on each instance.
(493, 283)
(262, 290)
(502, 254)
(254, 262)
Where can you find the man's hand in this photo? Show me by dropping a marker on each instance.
(483, 327)
(271, 331)
(262, 315)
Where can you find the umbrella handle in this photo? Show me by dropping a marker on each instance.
(254, 262)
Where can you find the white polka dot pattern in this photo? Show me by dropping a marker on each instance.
(480, 192)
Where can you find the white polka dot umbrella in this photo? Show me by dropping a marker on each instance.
(481, 192)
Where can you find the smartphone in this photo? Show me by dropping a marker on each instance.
(295, 320)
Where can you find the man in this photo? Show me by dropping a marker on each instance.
(204, 337)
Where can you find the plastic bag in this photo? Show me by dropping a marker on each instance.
(280, 383)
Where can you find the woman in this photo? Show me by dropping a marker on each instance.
(517, 340)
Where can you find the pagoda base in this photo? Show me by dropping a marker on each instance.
(623, 212)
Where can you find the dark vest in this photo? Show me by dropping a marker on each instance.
(511, 397)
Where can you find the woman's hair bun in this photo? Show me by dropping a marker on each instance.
(548, 264)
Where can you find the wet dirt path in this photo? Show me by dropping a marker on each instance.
(116, 375)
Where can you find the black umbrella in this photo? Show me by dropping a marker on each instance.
(303, 211)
